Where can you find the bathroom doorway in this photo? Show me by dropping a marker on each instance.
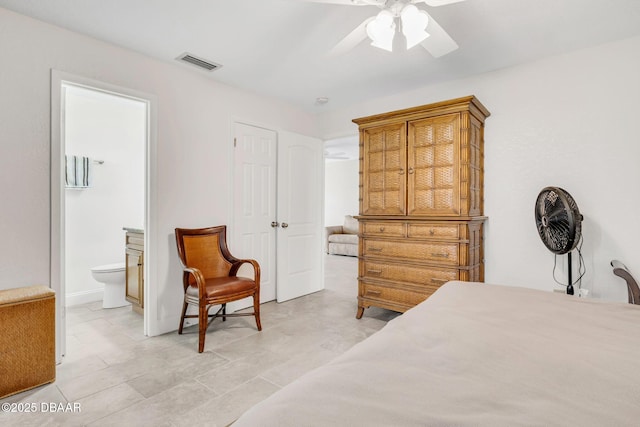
(100, 168)
(104, 139)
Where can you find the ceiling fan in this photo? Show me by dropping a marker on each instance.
(413, 22)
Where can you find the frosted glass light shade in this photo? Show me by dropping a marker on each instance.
(381, 30)
(414, 23)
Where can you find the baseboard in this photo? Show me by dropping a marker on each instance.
(165, 325)
(83, 297)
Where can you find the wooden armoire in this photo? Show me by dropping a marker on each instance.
(421, 202)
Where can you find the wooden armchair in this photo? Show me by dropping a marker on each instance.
(619, 269)
(209, 277)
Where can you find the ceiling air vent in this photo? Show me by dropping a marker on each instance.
(198, 62)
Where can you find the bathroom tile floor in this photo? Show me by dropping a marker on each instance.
(119, 377)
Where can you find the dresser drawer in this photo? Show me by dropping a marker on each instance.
(434, 231)
(408, 274)
(388, 229)
(437, 252)
(404, 297)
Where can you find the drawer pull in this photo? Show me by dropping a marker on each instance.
(373, 293)
(381, 229)
(440, 255)
(432, 232)
(375, 249)
(438, 281)
(376, 272)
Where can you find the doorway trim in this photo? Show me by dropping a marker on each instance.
(57, 202)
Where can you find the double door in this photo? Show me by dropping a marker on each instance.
(277, 215)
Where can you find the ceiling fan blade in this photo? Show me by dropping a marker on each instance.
(436, 3)
(439, 43)
(352, 39)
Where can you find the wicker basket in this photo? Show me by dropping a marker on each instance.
(27, 341)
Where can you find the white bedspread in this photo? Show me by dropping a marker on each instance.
(477, 355)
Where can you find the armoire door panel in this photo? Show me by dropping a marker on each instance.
(384, 159)
(433, 180)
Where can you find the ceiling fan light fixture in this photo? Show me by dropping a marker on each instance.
(382, 30)
(414, 22)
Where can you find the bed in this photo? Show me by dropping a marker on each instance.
(477, 355)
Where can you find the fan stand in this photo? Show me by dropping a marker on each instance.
(570, 283)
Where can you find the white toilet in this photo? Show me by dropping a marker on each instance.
(113, 278)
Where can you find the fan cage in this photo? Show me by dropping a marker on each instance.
(558, 220)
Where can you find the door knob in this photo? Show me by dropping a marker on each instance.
(274, 224)
(284, 225)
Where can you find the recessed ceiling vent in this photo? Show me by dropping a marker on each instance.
(198, 62)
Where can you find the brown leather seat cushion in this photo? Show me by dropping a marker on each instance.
(223, 286)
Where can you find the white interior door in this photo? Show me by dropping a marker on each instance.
(300, 211)
(255, 156)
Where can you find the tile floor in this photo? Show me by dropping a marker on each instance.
(119, 377)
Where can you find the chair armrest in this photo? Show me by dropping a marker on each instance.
(197, 274)
(256, 269)
(328, 231)
(333, 229)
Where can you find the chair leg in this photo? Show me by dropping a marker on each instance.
(203, 322)
(256, 309)
(224, 312)
(184, 311)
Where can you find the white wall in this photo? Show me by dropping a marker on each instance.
(340, 190)
(195, 113)
(568, 121)
(111, 129)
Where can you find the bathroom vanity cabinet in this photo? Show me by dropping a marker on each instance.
(135, 268)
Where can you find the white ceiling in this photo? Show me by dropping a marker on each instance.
(279, 47)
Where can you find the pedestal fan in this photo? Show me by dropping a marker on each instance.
(559, 224)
